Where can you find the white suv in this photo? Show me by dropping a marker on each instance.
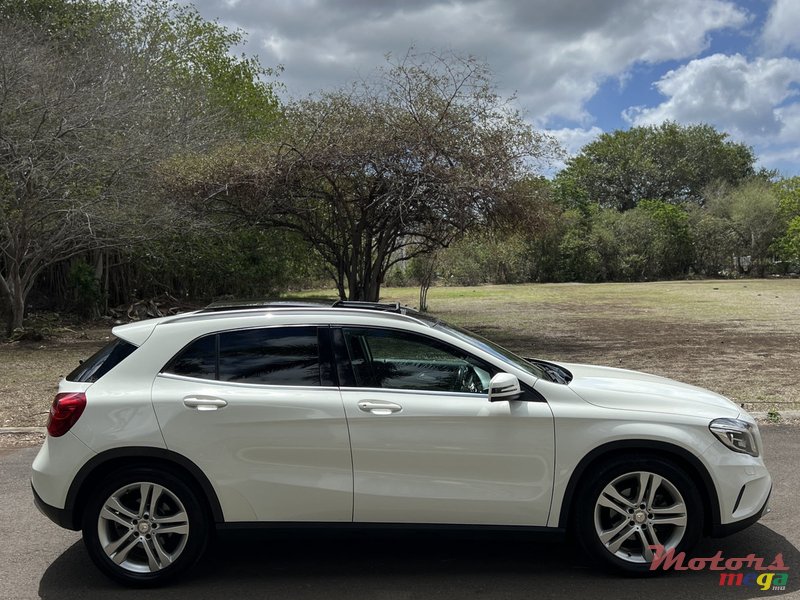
(373, 413)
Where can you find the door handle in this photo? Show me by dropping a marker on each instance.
(376, 407)
(204, 403)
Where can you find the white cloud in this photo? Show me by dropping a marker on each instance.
(554, 54)
(753, 100)
(571, 139)
(783, 152)
(782, 29)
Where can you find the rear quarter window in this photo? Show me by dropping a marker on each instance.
(102, 361)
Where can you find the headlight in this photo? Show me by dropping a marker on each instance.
(738, 435)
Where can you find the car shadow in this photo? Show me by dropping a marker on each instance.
(300, 564)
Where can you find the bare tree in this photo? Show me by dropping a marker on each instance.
(388, 170)
(81, 128)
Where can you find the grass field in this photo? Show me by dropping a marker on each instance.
(740, 338)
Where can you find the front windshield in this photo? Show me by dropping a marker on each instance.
(493, 349)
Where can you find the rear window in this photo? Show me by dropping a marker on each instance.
(102, 361)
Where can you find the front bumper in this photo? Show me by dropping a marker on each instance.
(722, 530)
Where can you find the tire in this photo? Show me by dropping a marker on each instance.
(631, 500)
(144, 526)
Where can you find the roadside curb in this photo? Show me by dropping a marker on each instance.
(784, 415)
(41, 430)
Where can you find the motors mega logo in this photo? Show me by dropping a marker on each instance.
(772, 576)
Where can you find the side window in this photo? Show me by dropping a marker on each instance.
(198, 359)
(270, 356)
(275, 356)
(384, 358)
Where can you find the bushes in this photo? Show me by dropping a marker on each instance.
(85, 295)
(485, 257)
(580, 241)
(198, 265)
(241, 263)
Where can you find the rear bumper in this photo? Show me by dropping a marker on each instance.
(59, 516)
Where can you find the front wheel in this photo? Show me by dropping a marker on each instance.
(630, 505)
(144, 526)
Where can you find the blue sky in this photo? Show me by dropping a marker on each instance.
(578, 67)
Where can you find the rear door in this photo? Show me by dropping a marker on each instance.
(259, 412)
(428, 446)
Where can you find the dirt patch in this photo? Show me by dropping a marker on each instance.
(30, 372)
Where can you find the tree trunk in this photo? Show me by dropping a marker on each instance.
(14, 294)
(6, 312)
(101, 275)
(423, 296)
(426, 279)
(17, 310)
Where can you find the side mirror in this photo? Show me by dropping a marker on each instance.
(504, 386)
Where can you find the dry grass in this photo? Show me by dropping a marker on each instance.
(740, 338)
(30, 371)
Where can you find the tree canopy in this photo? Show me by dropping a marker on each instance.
(94, 95)
(381, 172)
(669, 162)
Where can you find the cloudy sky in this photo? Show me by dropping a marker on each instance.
(578, 67)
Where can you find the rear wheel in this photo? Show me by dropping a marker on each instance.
(629, 505)
(143, 527)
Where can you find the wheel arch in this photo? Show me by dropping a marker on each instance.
(664, 450)
(111, 460)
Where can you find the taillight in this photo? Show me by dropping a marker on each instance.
(65, 412)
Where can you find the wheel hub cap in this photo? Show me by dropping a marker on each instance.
(637, 511)
(143, 527)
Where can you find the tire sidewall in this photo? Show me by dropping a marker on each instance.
(197, 517)
(602, 476)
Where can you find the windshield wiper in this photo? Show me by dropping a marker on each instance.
(554, 372)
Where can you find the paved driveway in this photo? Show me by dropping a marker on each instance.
(38, 559)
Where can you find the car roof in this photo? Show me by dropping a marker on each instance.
(218, 313)
(396, 313)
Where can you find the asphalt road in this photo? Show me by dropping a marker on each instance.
(38, 559)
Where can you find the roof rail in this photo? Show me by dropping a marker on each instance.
(384, 306)
(243, 305)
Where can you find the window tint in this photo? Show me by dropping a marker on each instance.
(102, 361)
(198, 359)
(384, 358)
(276, 356)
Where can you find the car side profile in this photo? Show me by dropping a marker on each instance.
(366, 413)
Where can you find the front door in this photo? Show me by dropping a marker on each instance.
(428, 446)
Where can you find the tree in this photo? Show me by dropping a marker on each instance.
(714, 242)
(669, 162)
(187, 51)
(752, 211)
(85, 115)
(787, 246)
(388, 170)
